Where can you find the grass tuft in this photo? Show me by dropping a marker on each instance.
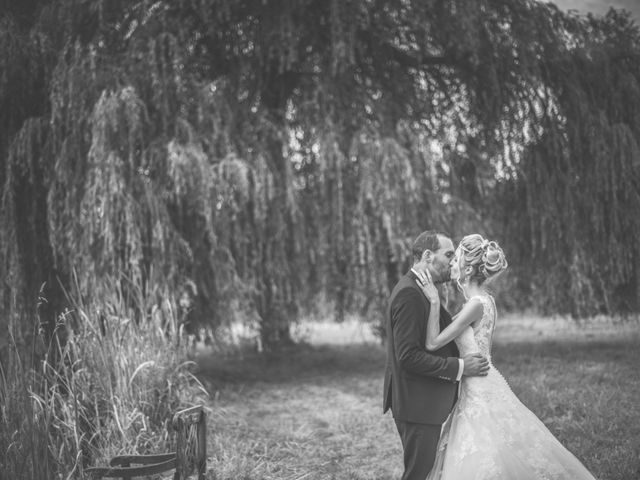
(115, 387)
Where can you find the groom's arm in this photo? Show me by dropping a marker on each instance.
(408, 315)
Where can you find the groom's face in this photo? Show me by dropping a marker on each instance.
(441, 261)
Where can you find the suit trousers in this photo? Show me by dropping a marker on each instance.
(419, 443)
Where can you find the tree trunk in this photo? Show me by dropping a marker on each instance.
(276, 278)
(35, 253)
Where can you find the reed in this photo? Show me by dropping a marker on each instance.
(114, 385)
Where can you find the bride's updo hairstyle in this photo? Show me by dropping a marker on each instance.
(486, 258)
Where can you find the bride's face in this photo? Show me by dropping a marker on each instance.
(455, 268)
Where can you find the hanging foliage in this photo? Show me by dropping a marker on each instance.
(268, 156)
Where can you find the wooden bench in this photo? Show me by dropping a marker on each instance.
(190, 427)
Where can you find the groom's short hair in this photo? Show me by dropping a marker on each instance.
(427, 240)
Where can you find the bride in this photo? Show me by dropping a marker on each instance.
(489, 434)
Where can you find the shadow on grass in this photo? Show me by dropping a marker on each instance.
(300, 362)
(621, 354)
(304, 363)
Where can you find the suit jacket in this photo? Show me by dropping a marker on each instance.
(419, 386)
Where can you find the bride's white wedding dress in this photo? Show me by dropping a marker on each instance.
(490, 434)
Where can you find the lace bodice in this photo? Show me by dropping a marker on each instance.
(477, 337)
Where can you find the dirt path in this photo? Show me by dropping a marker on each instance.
(314, 415)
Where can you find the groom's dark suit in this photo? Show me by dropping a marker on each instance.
(420, 387)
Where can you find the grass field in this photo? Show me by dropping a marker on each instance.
(314, 412)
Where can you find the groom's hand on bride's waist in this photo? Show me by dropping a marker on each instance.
(475, 365)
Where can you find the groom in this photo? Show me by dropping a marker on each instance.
(420, 387)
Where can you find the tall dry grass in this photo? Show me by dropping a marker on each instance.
(116, 384)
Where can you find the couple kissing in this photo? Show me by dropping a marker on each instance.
(456, 415)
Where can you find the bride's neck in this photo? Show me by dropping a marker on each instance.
(473, 289)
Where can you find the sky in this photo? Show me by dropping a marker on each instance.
(600, 6)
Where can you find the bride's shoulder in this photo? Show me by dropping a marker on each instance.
(472, 310)
(478, 304)
(481, 299)
(486, 303)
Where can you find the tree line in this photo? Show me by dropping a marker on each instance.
(272, 158)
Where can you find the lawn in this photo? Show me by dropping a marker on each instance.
(314, 412)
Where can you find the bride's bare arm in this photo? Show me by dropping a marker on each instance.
(436, 339)
(471, 312)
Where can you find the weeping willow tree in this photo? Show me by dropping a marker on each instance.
(280, 155)
(575, 188)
